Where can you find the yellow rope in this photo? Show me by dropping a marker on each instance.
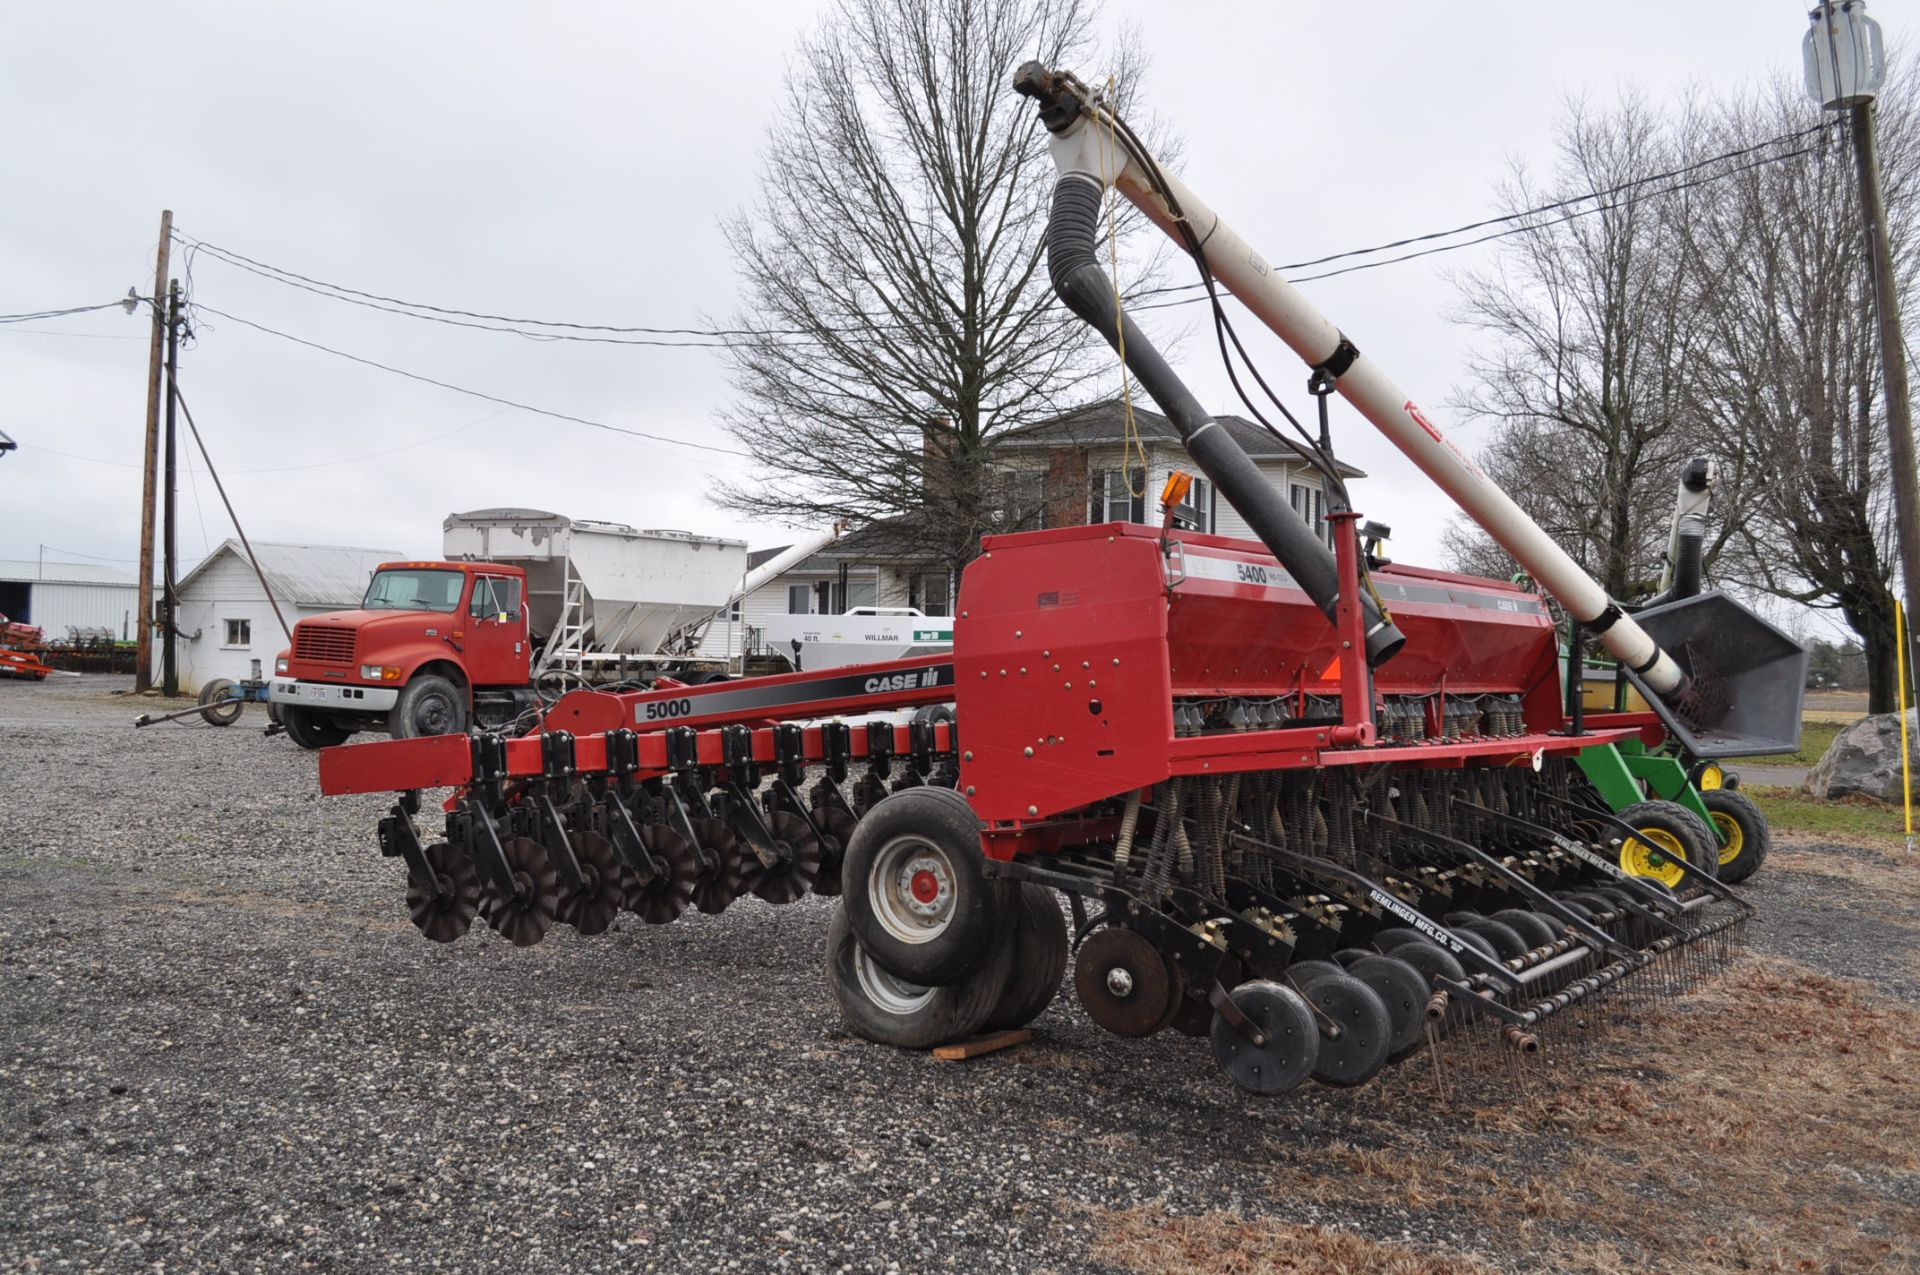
(1131, 443)
(1906, 753)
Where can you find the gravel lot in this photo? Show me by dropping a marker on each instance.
(225, 1048)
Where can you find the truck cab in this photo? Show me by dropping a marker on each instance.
(433, 647)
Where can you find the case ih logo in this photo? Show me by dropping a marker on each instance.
(902, 681)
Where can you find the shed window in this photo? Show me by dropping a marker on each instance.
(239, 633)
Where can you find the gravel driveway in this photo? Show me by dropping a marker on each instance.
(225, 1048)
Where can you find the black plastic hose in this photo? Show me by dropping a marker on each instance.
(1073, 263)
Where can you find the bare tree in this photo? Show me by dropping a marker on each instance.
(898, 317)
(1586, 381)
(1787, 384)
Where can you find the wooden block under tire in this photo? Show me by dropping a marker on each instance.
(992, 1042)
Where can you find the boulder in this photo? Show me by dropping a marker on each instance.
(1865, 758)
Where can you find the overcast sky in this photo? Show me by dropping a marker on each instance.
(572, 161)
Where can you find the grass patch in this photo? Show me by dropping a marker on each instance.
(1858, 820)
(1148, 1240)
(1816, 736)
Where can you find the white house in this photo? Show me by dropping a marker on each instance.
(1065, 472)
(61, 597)
(226, 623)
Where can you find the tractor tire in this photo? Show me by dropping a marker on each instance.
(1039, 941)
(310, 730)
(916, 890)
(1677, 831)
(1743, 830)
(215, 708)
(428, 705)
(889, 1010)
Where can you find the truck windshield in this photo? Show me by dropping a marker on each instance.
(414, 589)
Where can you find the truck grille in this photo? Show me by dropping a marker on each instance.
(323, 643)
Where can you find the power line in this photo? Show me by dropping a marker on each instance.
(57, 314)
(715, 337)
(461, 389)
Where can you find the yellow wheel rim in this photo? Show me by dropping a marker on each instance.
(1638, 859)
(1732, 840)
(1711, 777)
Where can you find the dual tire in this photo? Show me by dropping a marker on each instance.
(924, 947)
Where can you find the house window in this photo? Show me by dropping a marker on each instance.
(1119, 496)
(799, 599)
(929, 590)
(239, 633)
(1311, 504)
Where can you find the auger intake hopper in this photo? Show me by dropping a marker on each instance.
(1748, 678)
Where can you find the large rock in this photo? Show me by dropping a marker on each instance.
(1865, 758)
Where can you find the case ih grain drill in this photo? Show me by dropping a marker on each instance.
(1308, 804)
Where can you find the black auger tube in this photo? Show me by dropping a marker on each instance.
(1686, 563)
(1074, 266)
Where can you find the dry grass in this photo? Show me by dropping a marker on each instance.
(1766, 1123)
(1151, 1241)
(1889, 877)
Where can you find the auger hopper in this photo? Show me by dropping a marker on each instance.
(1319, 810)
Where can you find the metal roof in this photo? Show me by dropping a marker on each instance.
(37, 572)
(307, 575)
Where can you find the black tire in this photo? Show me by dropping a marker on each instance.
(1403, 990)
(1366, 1031)
(916, 891)
(212, 710)
(892, 1011)
(1535, 930)
(428, 705)
(1742, 826)
(311, 731)
(1505, 940)
(1039, 966)
(1672, 827)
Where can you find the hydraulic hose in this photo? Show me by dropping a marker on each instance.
(1073, 264)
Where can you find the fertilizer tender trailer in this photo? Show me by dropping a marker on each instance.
(1316, 809)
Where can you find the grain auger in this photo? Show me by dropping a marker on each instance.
(1312, 805)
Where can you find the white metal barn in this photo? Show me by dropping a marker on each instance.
(60, 596)
(226, 623)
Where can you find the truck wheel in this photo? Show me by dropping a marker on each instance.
(428, 705)
(893, 1011)
(1743, 833)
(917, 894)
(216, 708)
(1039, 961)
(309, 730)
(1675, 833)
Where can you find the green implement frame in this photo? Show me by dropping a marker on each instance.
(1618, 769)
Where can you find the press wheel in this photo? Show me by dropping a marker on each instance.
(523, 916)
(1290, 1041)
(445, 916)
(591, 908)
(719, 885)
(789, 879)
(666, 896)
(1403, 992)
(1359, 1051)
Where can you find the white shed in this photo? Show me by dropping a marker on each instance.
(226, 623)
(63, 596)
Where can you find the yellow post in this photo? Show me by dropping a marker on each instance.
(1906, 754)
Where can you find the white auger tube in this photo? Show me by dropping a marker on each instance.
(1088, 141)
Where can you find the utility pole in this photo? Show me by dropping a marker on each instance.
(169, 667)
(1845, 65)
(143, 631)
(1893, 353)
